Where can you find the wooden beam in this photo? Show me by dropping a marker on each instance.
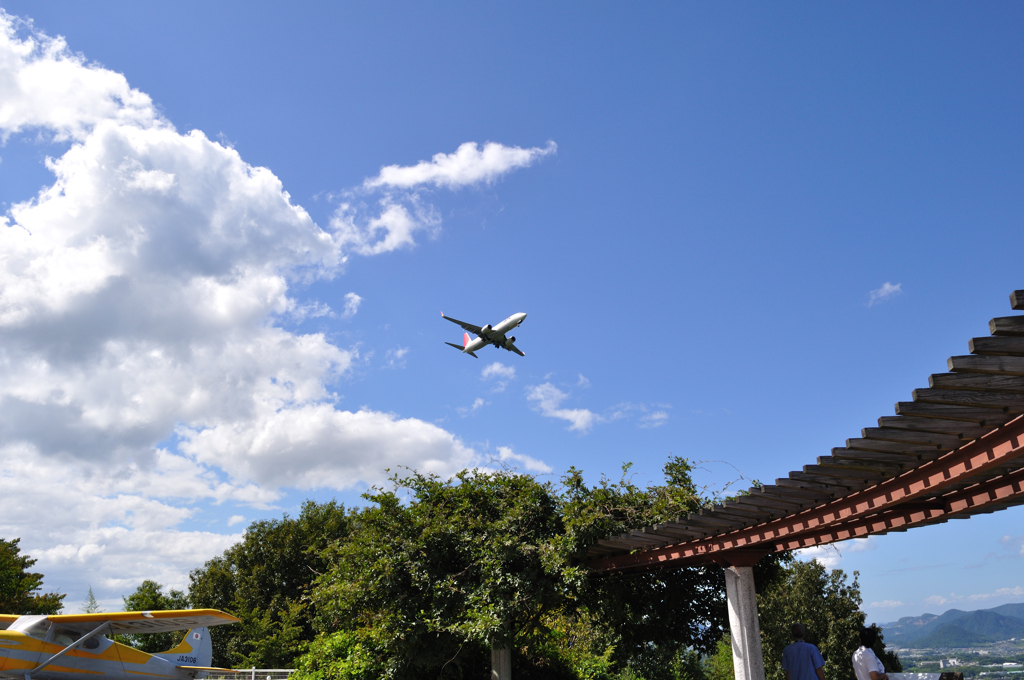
(642, 535)
(949, 412)
(997, 346)
(941, 441)
(1013, 403)
(977, 381)
(1017, 299)
(710, 520)
(762, 499)
(1006, 325)
(874, 510)
(675, 532)
(980, 364)
(956, 428)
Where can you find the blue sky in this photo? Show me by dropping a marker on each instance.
(705, 199)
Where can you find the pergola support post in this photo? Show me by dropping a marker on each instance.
(744, 628)
(501, 661)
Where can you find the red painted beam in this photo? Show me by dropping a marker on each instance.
(873, 510)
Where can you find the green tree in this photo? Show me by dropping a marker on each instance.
(654, 617)
(149, 596)
(829, 608)
(264, 581)
(429, 585)
(19, 588)
(90, 606)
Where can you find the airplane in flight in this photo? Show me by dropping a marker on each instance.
(488, 335)
(77, 646)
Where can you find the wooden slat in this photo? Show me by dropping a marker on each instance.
(1017, 299)
(741, 506)
(676, 532)
(874, 466)
(981, 364)
(747, 517)
(997, 346)
(787, 501)
(948, 412)
(1013, 403)
(1006, 325)
(709, 520)
(892, 447)
(641, 535)
(957, 428)
(977, 381)
(842, 473)
(800, 481)
(886, 434)
(870, 458)
(761, 507)
(900, 459)
(796, 493)
(615, 544)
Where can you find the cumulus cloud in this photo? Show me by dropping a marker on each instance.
(547, 399)
(470, 164)
(395, 358)
(499, 373)
(519, 461)
(885, 292)
(352, 302)
(464, 411)
(139, 299)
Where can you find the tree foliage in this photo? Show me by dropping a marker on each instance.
(150, 596)
(829, 608)
(19, 587)
(264, 581)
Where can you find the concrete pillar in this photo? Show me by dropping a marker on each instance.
(501, 662)
(747, 660)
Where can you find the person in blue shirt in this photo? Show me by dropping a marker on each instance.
(802, 660)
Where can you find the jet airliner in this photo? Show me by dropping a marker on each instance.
(487, 335)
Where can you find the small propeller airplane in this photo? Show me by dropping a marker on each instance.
(488, 335)
(76, 646)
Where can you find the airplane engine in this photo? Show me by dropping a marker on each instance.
(510, 341)
(486, 329)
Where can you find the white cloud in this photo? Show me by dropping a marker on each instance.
(582, 382)
(1007, 592)
(548, 400)
(352, 302)
(464, 411)
(653, 419)
(395, 358)
(138, 300)
(886, 604)
(884, 293)
(235, 519)
(470, 164)
(499, 373)
(517, 460)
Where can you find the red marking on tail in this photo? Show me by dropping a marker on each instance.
(465, 339)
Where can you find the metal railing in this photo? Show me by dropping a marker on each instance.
(253, 674)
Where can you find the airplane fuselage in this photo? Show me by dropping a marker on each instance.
(494, 335)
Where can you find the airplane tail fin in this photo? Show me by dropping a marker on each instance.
(195, 649)
(465, 339)
(462, 349)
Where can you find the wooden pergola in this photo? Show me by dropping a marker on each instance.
(955, 451)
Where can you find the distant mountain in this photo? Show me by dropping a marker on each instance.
(951, 635)
(956, 628)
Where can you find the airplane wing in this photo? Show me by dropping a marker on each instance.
(512, 348)
(467, 326)
(145, 622)
(7, 619)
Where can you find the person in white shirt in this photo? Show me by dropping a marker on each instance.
(865, 664)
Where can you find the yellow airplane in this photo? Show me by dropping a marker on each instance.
(77, 646)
